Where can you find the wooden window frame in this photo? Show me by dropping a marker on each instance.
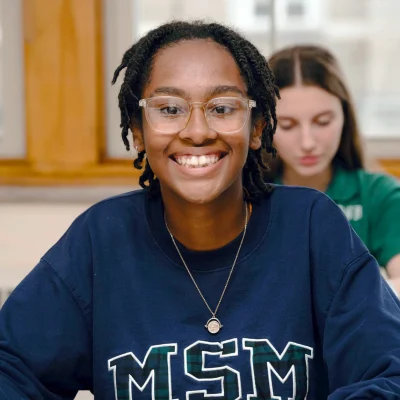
(64, 100)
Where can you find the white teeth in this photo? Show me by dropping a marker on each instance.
(197, 161)
(202, 160)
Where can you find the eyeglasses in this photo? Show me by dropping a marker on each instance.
(169, 114)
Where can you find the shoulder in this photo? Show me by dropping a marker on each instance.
(131, 203)
(296, 201)
(376, 181)
(362, 186)
(379, 188)
(106, 216)
(315, 214)
(105, 225)
(294, 196)
(371, 182)
(299, 200)
(311, 220)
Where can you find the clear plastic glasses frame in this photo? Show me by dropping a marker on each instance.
(170, 114)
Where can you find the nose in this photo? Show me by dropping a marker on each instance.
(197, 129)
(307, 139)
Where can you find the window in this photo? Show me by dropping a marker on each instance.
(263, 8)
(12, 130)
(295, 9)
(348, 10)
(298, 15)
(364, 36)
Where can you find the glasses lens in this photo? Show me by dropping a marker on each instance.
(227, 114)
(167, 114)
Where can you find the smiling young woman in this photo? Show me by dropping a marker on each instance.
(208, 281)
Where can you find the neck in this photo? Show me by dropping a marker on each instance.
(203, 227)
(320, 181)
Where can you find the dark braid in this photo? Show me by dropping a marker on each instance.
(254, 69)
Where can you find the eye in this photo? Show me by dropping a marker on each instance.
(164, 108)
(323, 121)
(223, 109)
(226, 107)
(170, 110)
(286, 125)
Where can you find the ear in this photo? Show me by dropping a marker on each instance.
(256, 134)
(138, 141)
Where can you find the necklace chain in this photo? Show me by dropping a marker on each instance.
(213, 313)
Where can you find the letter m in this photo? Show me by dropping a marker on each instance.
(128, 370)
(266, 362)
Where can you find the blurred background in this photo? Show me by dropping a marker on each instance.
(60, 147)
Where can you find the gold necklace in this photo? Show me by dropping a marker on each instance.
(213, 325)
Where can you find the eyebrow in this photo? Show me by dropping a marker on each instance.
(324, 113)
(222, 89)
(171, 91)
(214, 91)
(321, 114)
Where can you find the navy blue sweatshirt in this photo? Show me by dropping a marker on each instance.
(111, 309)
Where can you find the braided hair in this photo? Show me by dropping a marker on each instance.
(253, 67)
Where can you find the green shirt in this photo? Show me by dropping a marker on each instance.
(371, 203)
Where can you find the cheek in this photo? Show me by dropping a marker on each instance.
(238, 144)
(154, 141)
(156, 146)
(332, 137)
(284, 142)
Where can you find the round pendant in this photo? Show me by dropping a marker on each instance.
(213, 325)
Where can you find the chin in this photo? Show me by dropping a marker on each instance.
(198, 194)
(310, 171)
(198, 198)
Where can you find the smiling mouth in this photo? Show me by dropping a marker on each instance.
(192, 161)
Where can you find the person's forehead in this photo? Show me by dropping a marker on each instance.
(194, 66)
(306, 100)
(194, 49)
